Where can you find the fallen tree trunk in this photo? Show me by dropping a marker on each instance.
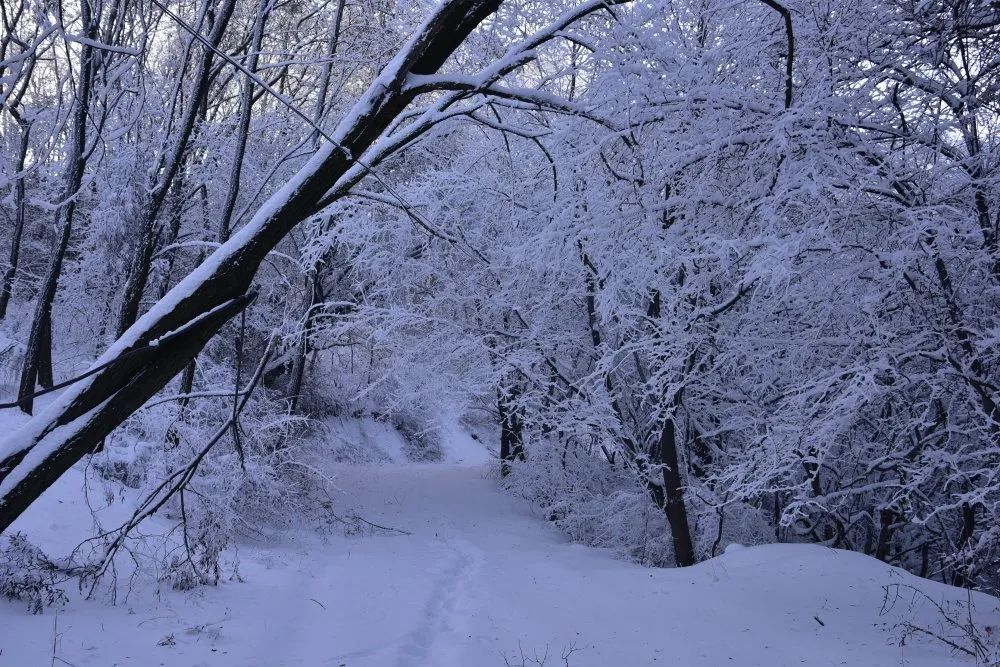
(175, 329)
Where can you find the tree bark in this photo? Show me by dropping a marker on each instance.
(511, 431)
(19, 205)
(673, 505)
(314, 296)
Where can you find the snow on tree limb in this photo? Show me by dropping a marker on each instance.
(36, 455)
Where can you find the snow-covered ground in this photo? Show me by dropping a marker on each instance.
(478, 579)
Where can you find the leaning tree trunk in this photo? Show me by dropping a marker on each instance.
(133, 369)
(38, 351)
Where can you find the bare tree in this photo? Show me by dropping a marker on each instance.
(169, 164)
(37, 366)
(160, 344)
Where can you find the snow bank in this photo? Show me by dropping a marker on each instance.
(476, 578)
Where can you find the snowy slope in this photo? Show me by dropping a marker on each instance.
(478, 578)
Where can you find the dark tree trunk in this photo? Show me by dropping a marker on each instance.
(38, 351)
(887, 519)
(187, 385)
(19, 205)
(304, 344)
(511, 431)
(668, 495)
(45, 378)
(673, 490)
(314, 292)
(173, 232)
(324, 82)
(671, 495)
(962, 574)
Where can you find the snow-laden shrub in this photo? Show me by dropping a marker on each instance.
(206, 535)
(605, 505)
(126, 464)
(423, 441)
(26, 574)
(963, 626)
(264, 473)
(342, 392)
(717, 524)
(594, 502)
(11, 359)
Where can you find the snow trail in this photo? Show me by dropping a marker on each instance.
(480, 578)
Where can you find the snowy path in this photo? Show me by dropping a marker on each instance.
(478, 577)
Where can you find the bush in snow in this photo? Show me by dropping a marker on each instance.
(261, 474)
(127, 465)
(423, 442)
(957, 624)
(199, 562)
(26, 574)
(604, 505)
